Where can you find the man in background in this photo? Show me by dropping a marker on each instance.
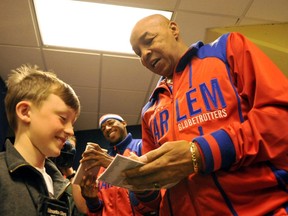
(102, 198)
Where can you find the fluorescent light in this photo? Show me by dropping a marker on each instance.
(88, 25)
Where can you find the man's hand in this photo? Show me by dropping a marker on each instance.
(67, 171)
(95, 156)
(164, 167)
(89, 187)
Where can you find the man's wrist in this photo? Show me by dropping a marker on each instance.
(71, 175)
(93, 204)
(196, 160)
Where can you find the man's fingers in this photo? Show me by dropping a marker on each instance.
(146, 169)
(152, 155)
(90, 165)
(151, 183)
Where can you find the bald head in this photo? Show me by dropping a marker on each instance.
(155, 20)
(155, 39)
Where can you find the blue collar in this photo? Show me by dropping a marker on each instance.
(121, 146)
(186, 58)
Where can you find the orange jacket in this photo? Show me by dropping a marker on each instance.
(117, 201)
(233, 101)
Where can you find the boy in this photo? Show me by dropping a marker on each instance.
(41, 110)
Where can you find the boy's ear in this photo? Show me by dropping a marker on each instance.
(23, 111)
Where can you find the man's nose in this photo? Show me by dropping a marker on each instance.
(145, 56)
(107, 127)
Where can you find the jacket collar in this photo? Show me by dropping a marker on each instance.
(17, 164)
(13, 158)
(121, 146)
(184, 60)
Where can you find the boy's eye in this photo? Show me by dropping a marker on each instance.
(63, 118)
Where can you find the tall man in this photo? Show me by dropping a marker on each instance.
(216, 125)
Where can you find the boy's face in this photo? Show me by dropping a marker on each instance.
(50, 125)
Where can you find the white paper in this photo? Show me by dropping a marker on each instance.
(112, 174)
(81, 170)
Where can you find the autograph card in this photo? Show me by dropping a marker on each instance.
(81, 170)
(112, 174)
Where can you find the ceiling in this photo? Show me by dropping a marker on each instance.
(113, 82)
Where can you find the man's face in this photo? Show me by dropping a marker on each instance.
(114, 130)
(155, 43)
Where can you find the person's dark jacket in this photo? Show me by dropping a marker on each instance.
(22, 186)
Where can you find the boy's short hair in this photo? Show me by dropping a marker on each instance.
(30, 83)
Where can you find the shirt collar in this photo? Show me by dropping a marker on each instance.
(121, 146)
(186, 58)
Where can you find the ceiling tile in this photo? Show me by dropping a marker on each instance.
(195, 29)
(150, 4)
(13, 57)
(86, 121)
(124, 73)
(121, 102)
(131, 119)
(80, 69)
(88, 97)
(269, 10)
(224, 7)
(17, 26)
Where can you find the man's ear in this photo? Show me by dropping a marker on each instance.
(23, 111)
(174, 28)
(124, 123)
